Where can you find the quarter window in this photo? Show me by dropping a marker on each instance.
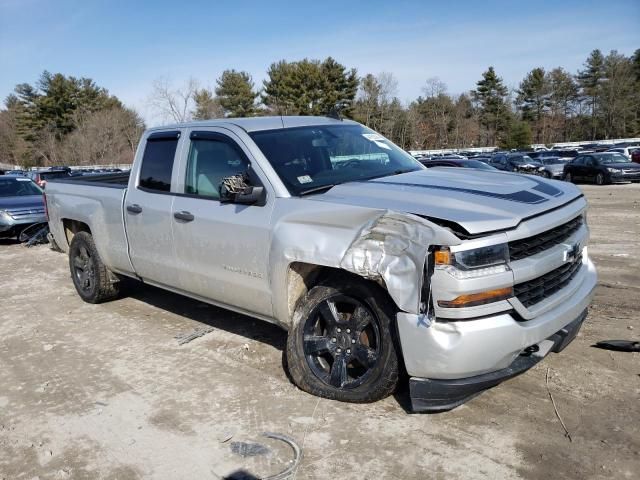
(211, 160)
(157, 162)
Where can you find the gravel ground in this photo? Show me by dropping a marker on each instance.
(106, 392)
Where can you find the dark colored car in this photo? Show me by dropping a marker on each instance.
(455, 162)
(515, 162)
(635, 156)
(602, 168)
(21, 205)
(41, 176)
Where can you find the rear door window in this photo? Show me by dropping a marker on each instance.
(157, 161)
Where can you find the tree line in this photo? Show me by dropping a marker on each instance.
(73, 121)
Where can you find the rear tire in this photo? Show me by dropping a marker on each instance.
(92, 279)
(600, 179)
(568, 178)
(341, 345)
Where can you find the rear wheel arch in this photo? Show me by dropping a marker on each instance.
(72, 227)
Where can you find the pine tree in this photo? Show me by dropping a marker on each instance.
(590, 80)
(235, 94)
(534, 100)
(207, 105)
(309, 87)
(490, 96)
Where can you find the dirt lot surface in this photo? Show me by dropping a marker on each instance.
(106, 392)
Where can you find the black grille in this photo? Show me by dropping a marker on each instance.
(519, 249)
(531, 292)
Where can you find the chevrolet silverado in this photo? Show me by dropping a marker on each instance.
(374, 264)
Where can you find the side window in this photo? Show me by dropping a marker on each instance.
(211, 160)
(157, 162)
(589, 161)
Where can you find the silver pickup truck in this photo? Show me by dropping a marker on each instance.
(374, 265)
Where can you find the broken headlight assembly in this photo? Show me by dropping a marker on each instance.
(477, 262)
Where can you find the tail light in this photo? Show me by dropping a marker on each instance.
(46, 209)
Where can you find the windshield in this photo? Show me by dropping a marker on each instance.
(18, 187)
(309, 158)
(612, 158)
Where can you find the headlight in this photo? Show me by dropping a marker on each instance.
(614, 170)
(5, 217)
(473, 263)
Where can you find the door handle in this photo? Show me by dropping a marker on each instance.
(135, 208)
(184, 216)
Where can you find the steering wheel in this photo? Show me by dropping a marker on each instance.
(351, 163)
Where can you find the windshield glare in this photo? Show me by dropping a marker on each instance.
(18, 187)
(613, 158)
(311, 157)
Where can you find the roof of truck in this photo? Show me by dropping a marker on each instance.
(253, 124)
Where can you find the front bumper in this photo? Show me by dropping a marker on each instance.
(625, 177)
(490, 347)
(11, 227)
(439, 395)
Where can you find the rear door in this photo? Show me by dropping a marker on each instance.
(148, 210)
(222, 248)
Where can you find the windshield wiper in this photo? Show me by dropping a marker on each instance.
(317, 189)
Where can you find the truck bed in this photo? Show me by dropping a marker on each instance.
(97, 201)
(112, 180)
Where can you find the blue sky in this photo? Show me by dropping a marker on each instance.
(126, 45)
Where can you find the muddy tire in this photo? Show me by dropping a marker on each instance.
(342, 342)
(93, 281)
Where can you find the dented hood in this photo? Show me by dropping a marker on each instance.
(479, 201)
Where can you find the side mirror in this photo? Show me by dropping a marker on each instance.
(236, 189)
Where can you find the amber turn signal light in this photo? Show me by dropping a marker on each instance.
(475, 299)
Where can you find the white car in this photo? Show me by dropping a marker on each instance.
(626, 151)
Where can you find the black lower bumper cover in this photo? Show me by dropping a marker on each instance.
(440, 395)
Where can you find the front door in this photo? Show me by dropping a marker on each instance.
(222, 249)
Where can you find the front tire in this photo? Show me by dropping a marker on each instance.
(93, 281)
(341, 345)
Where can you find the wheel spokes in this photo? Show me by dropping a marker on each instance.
(360, 318)
(364, 355)
(78, 263)
(329, 312)
(338, 372)
(315, 345)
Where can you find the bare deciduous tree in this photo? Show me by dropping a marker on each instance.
(171, 103)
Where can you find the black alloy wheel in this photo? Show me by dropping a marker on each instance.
(341, 342)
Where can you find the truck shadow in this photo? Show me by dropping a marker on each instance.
(232, 322)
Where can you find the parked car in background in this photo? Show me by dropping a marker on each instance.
(635, 156)
(456, 162)
(553, 167)
(602, 168)
(16, 173)
(21, 205)
(515, 162)
(626, 151)
(41, 176)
